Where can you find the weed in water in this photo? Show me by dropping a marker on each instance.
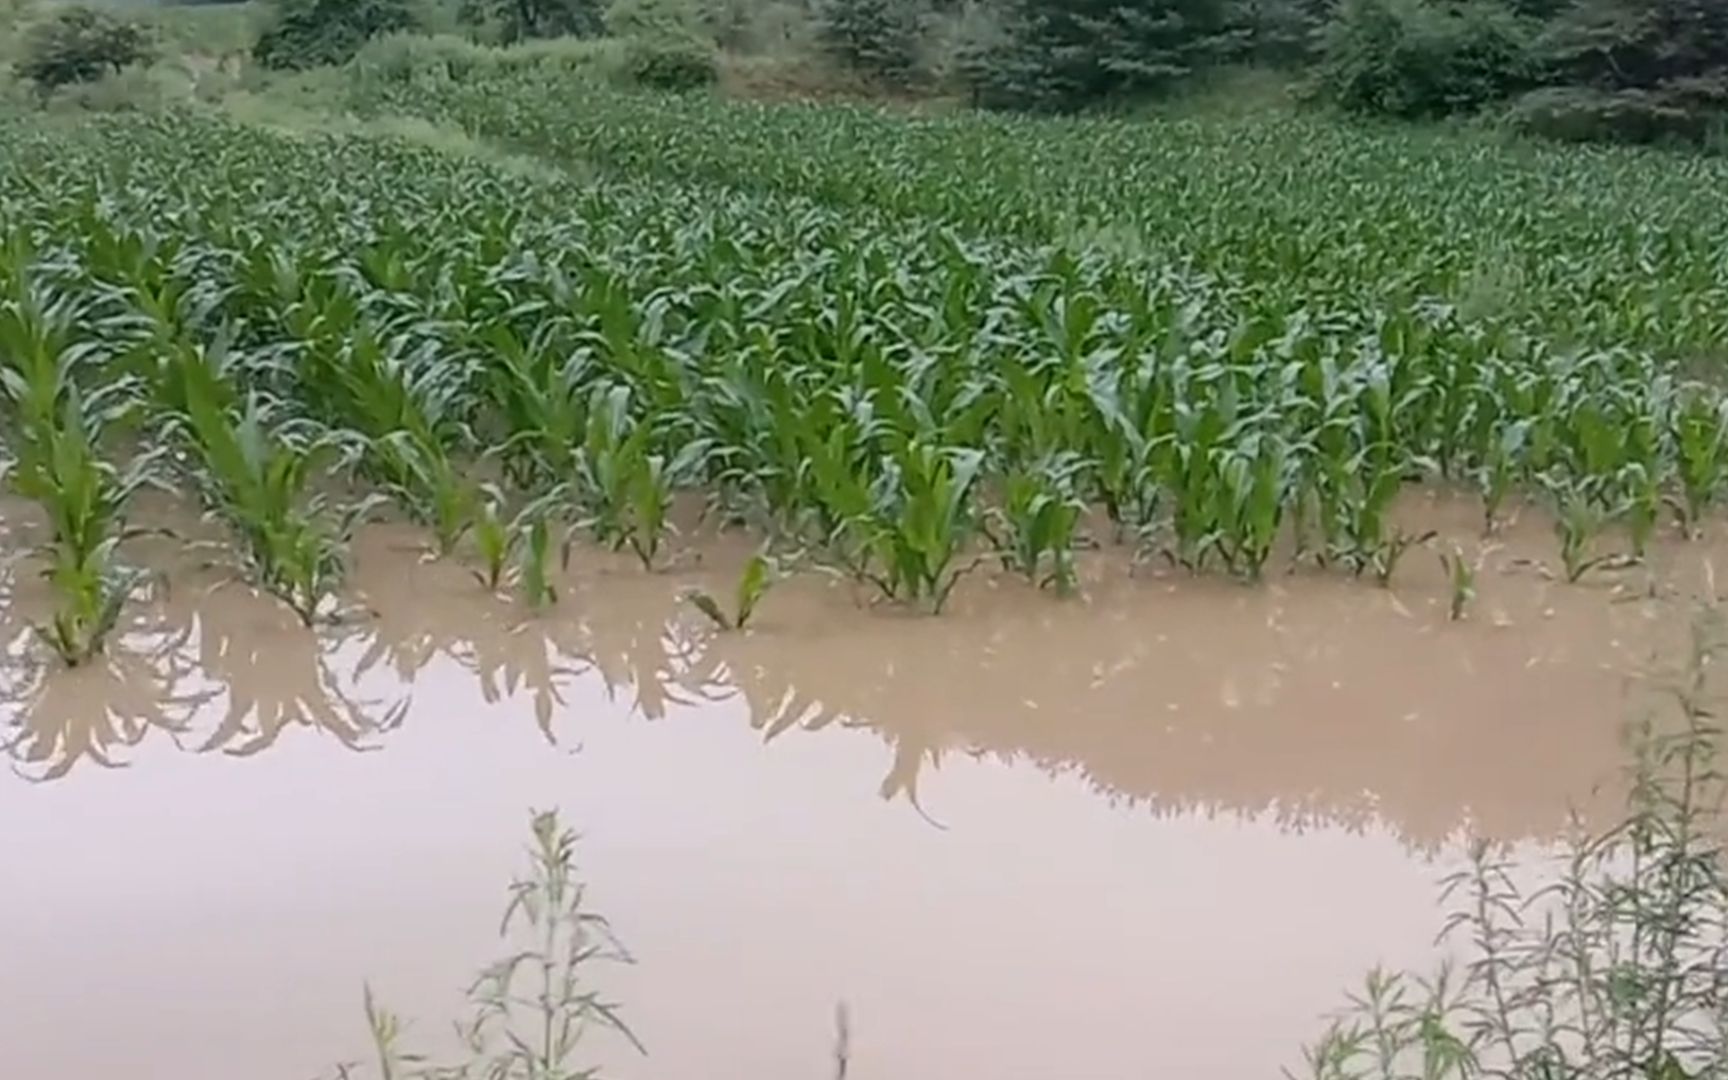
(1614, 970)
(535, 1007)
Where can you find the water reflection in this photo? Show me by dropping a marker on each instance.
(1310, 701)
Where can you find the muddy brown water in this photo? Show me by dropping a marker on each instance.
(1157, 830)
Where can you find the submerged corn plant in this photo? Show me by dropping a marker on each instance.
(753, 584)
(1612, 970)
(57, 430)
(259, 478)
(1034, 524)
(534, 1009)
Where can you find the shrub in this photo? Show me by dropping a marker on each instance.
(80, 45)
(307, 33)
(1417, 58)
(669, 63)
(1583, 114)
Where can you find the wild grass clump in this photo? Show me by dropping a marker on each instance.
(535, 1008)
(1613, 969)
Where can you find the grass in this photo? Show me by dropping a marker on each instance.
(535, 1007)
(1609, 968)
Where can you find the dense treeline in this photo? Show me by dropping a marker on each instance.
(1622, 70)
(1631, 70)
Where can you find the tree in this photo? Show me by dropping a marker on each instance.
(1065, 54)
(307, 33)
(1421, 58)
(876, 37)
(81, 45)
(511, 21)
(1634, 71)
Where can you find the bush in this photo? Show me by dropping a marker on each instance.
(655, 19)
(1421, 58)
(1583, 114)
(308, 33)
(670, 63)
(79, 46)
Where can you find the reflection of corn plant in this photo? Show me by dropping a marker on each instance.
(753, 584)
(534, 1009)
(1034, 524)
(258, 479)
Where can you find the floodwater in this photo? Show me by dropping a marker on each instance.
(1159, 830)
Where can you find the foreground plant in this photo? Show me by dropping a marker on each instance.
(753, 584)
(1612, 971)
(535, 1007)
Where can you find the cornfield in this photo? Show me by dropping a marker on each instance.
(906, 349)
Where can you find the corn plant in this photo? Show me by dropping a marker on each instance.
(534, 564)
(258, 477)
(753, 584)
(1034, 524)
(57, 431)
(1461, 580)
(1701, 452)
(921, 523)
(624, 488)
(1578, 521)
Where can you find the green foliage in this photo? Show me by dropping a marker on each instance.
(670, 63)
(511, 21)
(878, 38)
(309, 33)
(1609, 968)
(1633, 71)
(1063, 55)
(536, 1008)
(1424, 58)
(754, 581)
(80, 45)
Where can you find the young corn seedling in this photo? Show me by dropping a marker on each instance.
(625, 489)
(1254, 488)
(492, 539)
(1461, 577)
(56, 432)
(753, 584)
(534, 565)
(1578, 520)
(923, 519)
(1701, 452)
(1034, 526)
(259, 480)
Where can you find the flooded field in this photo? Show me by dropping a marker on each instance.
(1155, 830)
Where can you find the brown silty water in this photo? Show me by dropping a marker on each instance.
(1155, 830)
